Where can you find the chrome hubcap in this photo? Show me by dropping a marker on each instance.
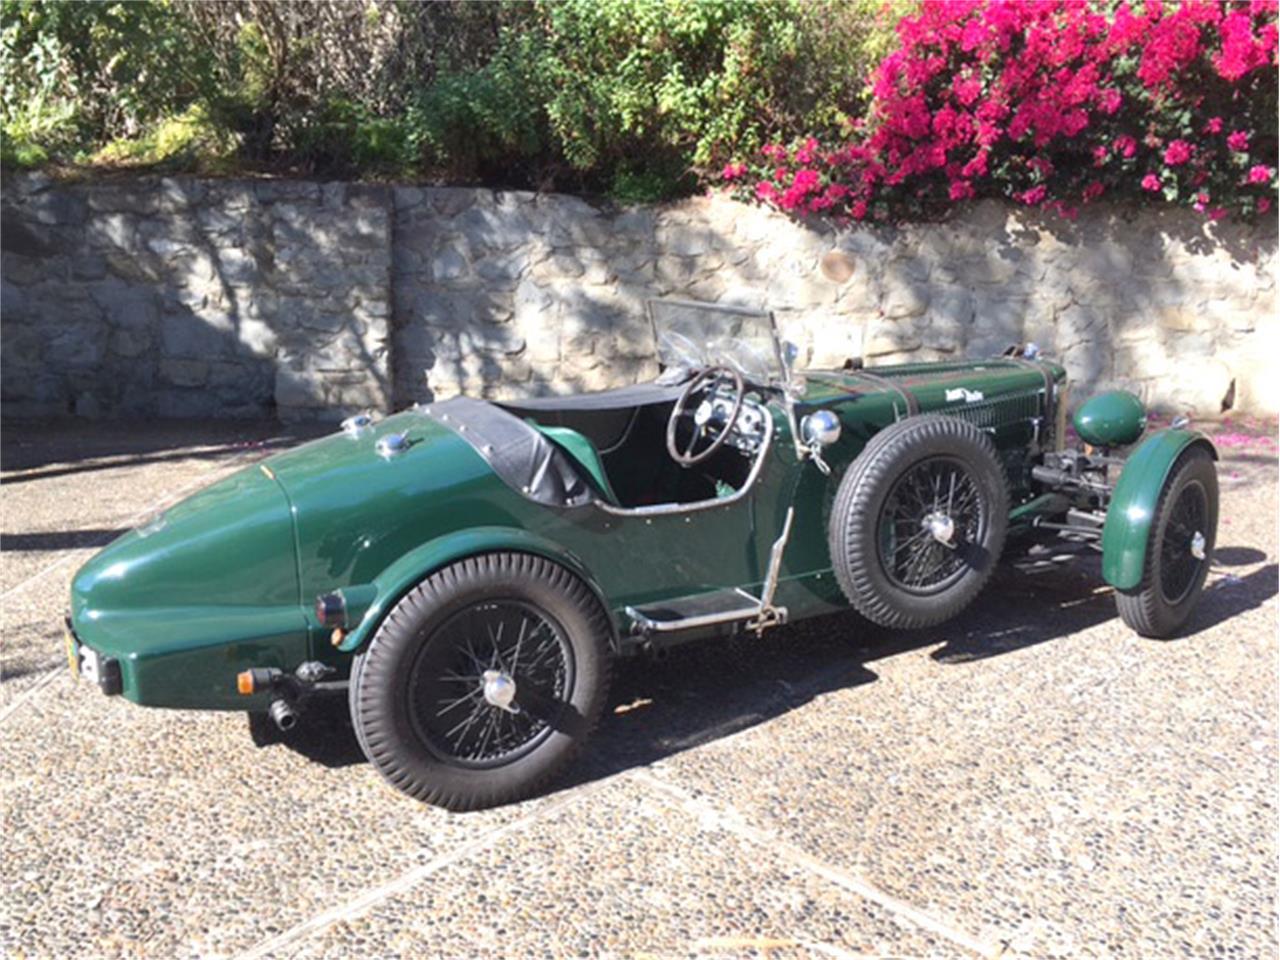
(499, 690)
(940, 526)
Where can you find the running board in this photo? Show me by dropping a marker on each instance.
(720, 606)
(702, 610)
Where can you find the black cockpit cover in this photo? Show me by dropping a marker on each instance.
(519, 454)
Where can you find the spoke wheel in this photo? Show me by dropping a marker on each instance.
(918, 521)
(930, 518)
(1179, 564)
(483, 682)
(1183, 532)
(460, 679)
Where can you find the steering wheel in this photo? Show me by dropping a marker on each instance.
(705, 382)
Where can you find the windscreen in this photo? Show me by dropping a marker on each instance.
(693, 336)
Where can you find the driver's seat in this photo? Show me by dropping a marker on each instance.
(584, 454)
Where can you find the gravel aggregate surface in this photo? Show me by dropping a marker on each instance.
(581, 882)
(1029, 780)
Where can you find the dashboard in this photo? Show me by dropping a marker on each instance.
(748, 430)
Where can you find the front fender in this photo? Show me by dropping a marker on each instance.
(399, 578)
(1127, 530)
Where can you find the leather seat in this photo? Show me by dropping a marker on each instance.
(584, 454)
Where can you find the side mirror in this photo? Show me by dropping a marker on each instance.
(790, 353)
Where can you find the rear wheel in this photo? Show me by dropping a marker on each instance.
(1178, 550)
(919, 521)
(483, 682)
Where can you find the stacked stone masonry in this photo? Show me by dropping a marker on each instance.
(192, 298)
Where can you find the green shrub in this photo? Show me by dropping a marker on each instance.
(634, 96)
(485, 120)
(76, 75)
(188, 141)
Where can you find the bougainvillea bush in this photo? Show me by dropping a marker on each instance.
(1056, 104)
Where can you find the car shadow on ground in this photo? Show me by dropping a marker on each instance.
(708, 690)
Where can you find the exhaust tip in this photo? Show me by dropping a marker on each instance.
(285, 717)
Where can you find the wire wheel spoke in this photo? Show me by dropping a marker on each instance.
(943, 490)
(1179, 567)
(506, 641)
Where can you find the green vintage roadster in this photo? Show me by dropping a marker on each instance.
(470, 571)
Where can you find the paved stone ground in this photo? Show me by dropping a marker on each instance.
(1030, 780)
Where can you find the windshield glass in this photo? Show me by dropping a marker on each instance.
(693, 336)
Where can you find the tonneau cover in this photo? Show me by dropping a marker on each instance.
(520, 455)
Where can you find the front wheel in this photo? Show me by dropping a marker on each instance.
(1178, 550)
(483, 682)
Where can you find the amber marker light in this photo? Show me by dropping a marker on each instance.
(244, 682)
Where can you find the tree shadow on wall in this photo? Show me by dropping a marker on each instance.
(192, 298)
(570, 318)
(967, 287)
(1132, 303)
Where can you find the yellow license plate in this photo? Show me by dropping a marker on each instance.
(73, 653)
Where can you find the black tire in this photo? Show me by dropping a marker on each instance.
(1172, 577)
(353, 686)
(883, 558)
(441, 632)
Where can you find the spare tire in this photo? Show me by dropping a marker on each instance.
(919, 521)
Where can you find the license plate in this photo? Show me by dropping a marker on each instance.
(83, 662)
(89, 665)
(73, 653)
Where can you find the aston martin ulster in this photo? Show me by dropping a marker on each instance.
(469, 572)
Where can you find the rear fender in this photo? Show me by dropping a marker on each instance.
(411, 569)
(1127, 530)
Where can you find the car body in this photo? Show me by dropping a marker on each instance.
(266, 586)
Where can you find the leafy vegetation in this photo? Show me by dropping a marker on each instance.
(881, 108)
(640, 98)
(1053, 104)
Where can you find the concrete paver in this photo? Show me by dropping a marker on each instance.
(1030, 777)
(627, 872)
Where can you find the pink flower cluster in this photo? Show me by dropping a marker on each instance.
(1052, 103)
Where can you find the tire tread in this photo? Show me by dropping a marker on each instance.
(1143, 609)
(853, 552)
(373, 722)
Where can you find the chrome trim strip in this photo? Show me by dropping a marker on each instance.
(664, 509)
(775, 562)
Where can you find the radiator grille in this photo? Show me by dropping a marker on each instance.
(1001, 411)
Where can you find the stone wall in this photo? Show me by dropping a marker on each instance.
(184, 297)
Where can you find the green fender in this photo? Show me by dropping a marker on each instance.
(1133, 503)
(371, 602)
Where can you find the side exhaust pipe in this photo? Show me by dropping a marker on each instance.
(285, 717)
